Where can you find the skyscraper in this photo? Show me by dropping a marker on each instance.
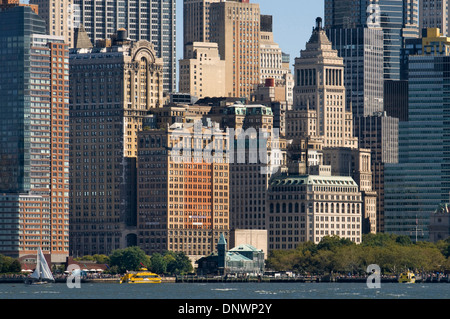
(420, 182)
(379, 133)
(362, 51)
(434, 14)
(112, 89)
(196, 17)
(183, 201)
(34, 170)
(319, 88)
(321, 123)
(151, 20)
(397, 19)
(235, 26)
(59, 16)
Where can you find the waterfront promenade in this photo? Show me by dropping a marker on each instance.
(433, 278)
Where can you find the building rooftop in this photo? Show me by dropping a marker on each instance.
(318, 180)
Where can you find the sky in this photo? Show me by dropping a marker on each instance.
(293, 21)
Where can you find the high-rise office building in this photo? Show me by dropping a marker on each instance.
(420, 181)
(202, 71)
(8, 4)
(319, 89)
(151, 20)
(235, 26)
(272, 66)
(112, 88)
(59, 16)
(304, 208)
(397, 19)
(182, 194)
(320, 123)
(362, 51)
(196, 16)
(34, 170)
(257, 155)
(434, 14)
(379, 134)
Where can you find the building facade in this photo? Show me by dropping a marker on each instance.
(396, 18)
(420, 181)
(439, 226)
(202, 72)
(272, 66)
(182, 195)
(113, 88)
(319, 91)
(362, 49)
(60, 17)
(379, 134)
(305, 208)
(34, 173)
(434, 14)
(196, 15)
(150, 20)
(235, 26)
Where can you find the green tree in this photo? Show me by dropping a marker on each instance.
(101, 259)
(177, 263)
(131, 259)
(158, 263)
(333, 243)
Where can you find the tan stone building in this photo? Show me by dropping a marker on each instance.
(235, 26)
(196, 16)
(321, 126)
(202, 72)
(305, 208)
(272, 66)
(59, 16)
(434, 14)
(182, 196)
(112, 89)
(319, 86)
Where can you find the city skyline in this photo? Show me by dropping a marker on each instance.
(117, 90)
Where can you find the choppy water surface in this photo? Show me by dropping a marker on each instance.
(188, 291)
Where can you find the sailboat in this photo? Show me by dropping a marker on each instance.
(42, 273)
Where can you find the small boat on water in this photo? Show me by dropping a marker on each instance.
(407, 277)
(143, 276)
(42, 274)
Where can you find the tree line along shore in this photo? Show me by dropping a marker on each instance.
(333, 259)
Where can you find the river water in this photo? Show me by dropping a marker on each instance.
(226, 300)
(187, 291)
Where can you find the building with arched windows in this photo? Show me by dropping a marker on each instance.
(305, 208)
(113, 86)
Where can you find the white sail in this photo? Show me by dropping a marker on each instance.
(46, 273)
(42, 271)
(37, 271)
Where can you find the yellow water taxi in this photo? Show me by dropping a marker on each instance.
(143, 276)
(407, 277)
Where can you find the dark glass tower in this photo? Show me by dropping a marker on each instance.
(34, 142)
(397, 18)
(17, 25)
